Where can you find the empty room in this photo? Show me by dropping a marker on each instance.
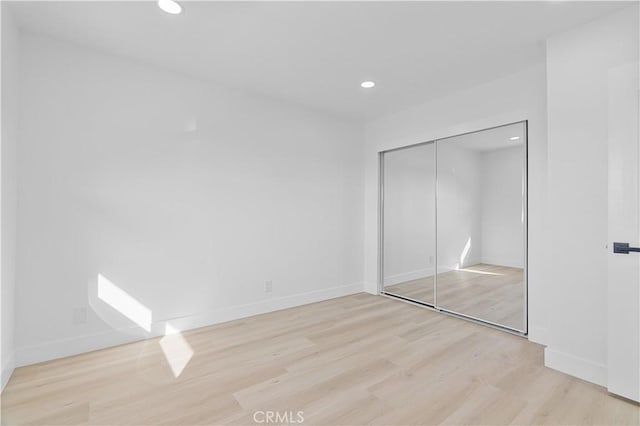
(320, 212)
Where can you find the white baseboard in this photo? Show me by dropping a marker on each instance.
(575, 366)
(408, 276)
(7, 370)
(427, 272)
(537, 334)
(511, 263)
(371, 288)
(453, 267)
(470, 262)
(80, 344)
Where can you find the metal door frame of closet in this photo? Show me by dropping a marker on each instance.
(435, 306)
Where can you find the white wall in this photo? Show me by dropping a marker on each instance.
(10, 79)
(513, 98)
(578, 65)
(185, 195)
(501, 206)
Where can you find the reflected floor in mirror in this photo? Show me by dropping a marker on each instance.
(489, 292)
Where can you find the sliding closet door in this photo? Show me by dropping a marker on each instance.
(481, 225)
(409, 232)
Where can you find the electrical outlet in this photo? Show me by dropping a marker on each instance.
(79, 315)
(430, 260)
(268, 286)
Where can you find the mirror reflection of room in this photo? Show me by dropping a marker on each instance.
(481, 225)
(454, 225)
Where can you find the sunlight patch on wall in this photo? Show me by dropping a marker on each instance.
(124, 303)
(176, 350)
(465, 252)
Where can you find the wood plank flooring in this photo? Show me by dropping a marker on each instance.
(359, 359)
(490, 292)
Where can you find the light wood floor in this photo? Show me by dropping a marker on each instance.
(489, 292)
(360, 359)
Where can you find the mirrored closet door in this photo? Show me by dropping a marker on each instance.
(410, 222)
(454, 225)
(481, 219)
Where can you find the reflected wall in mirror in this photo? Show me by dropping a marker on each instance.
(481, 225)
(409, 223)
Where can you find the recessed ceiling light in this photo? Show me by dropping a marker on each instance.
(514, 138)
(367, 84)
(170, 6)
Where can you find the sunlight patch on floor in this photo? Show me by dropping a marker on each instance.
(177, 350)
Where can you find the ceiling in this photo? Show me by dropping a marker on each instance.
(316, 54)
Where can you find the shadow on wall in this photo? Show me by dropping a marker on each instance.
(113, 305)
